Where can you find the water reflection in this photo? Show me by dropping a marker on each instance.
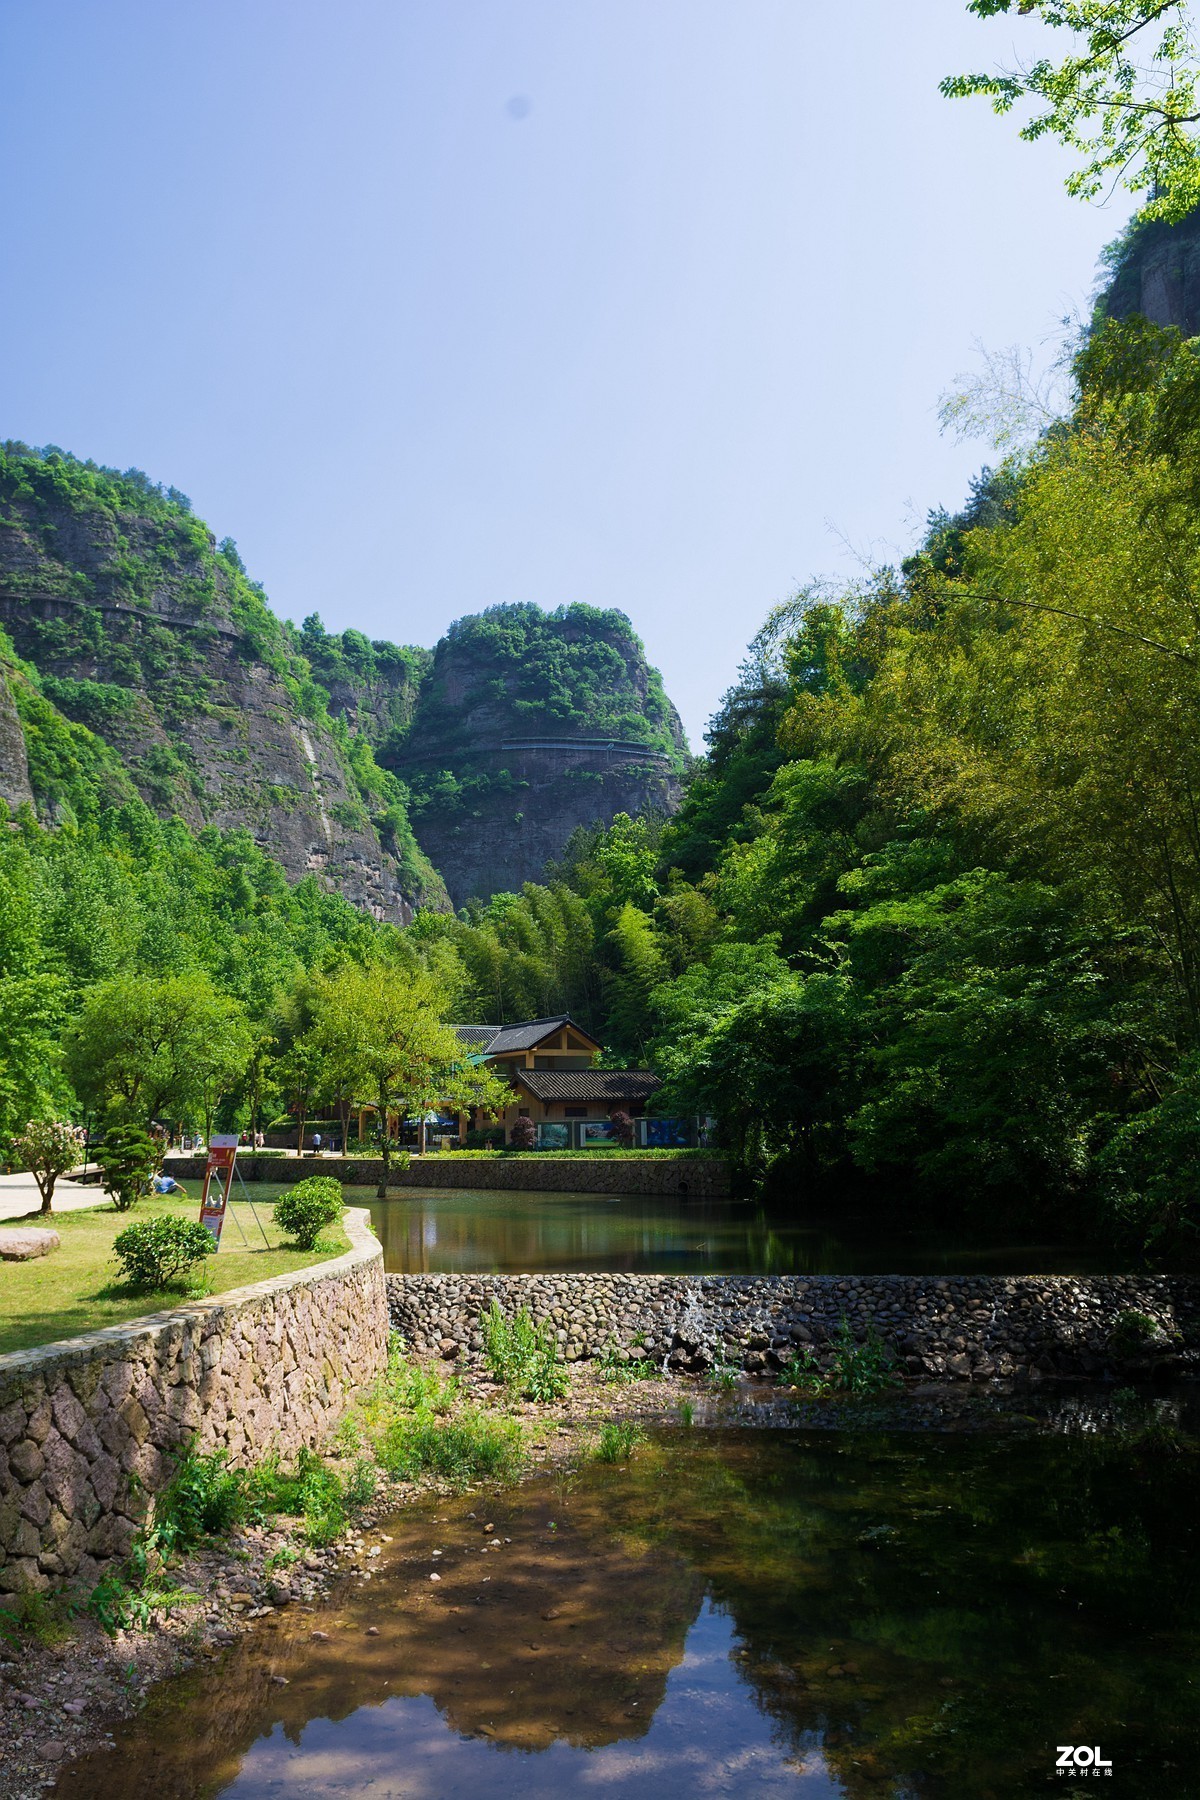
(501, 1233)
(400, 1749)
(496, 1232)
(764, 1612)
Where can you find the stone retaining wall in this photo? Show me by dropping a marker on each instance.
(697, 1178)
(970, 1327)
(87, 1425)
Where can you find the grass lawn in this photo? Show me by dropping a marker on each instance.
(74, 1289)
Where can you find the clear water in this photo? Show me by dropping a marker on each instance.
(491, 1232)
(736, 1612)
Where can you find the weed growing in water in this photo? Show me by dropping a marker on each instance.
(855, 1369)
(723, 1376)
(687, 1414)
(618, 1440)
(416, 1422)
(524, 1356)
(803, 1371)
(473, 1446)
(612, 1367)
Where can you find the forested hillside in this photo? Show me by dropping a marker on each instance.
(529, 726)
(199, 830)
(133, 622)
(136, 625)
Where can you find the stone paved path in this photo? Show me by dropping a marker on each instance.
(19, 1195)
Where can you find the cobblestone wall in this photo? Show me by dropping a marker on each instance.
(87, 1426)
(957, 1327)
(700, 1178)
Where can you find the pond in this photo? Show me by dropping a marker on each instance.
(497, 1232)
(771, 1612)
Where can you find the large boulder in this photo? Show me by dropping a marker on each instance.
(29, 1241)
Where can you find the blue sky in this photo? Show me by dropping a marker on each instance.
(432, 304)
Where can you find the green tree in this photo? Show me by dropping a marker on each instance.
(32, 1008)
(639, 966)
(145, 1048)
(1150, 1169)
(1124, 98)
(388, 1027)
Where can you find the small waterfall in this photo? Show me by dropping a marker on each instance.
(693, 1332)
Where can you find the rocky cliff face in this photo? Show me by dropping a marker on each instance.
(151, 664)
(498, 846)
(1156, 272)
(142, 631)
(528, 726)
(373, 685)
(15, 789)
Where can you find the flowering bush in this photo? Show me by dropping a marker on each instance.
(48, 1148)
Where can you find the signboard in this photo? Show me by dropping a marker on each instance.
(667, 1134)
(595, 1131)
(222, 1154)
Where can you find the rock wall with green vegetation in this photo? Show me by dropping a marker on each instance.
(372, 685)
(92, 1427)
(128, 621)
(958, 1328)
(1154, 269)
(529, 727)
(135, 626)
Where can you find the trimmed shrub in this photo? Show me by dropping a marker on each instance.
(622, 1126)
(305, 1210)
(127, 1158)
(159, 1251)
(523, 1135)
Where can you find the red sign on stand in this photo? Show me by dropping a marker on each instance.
(222, 1154)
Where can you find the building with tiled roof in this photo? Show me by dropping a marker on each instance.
(609, 1087)
(549, 1065)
